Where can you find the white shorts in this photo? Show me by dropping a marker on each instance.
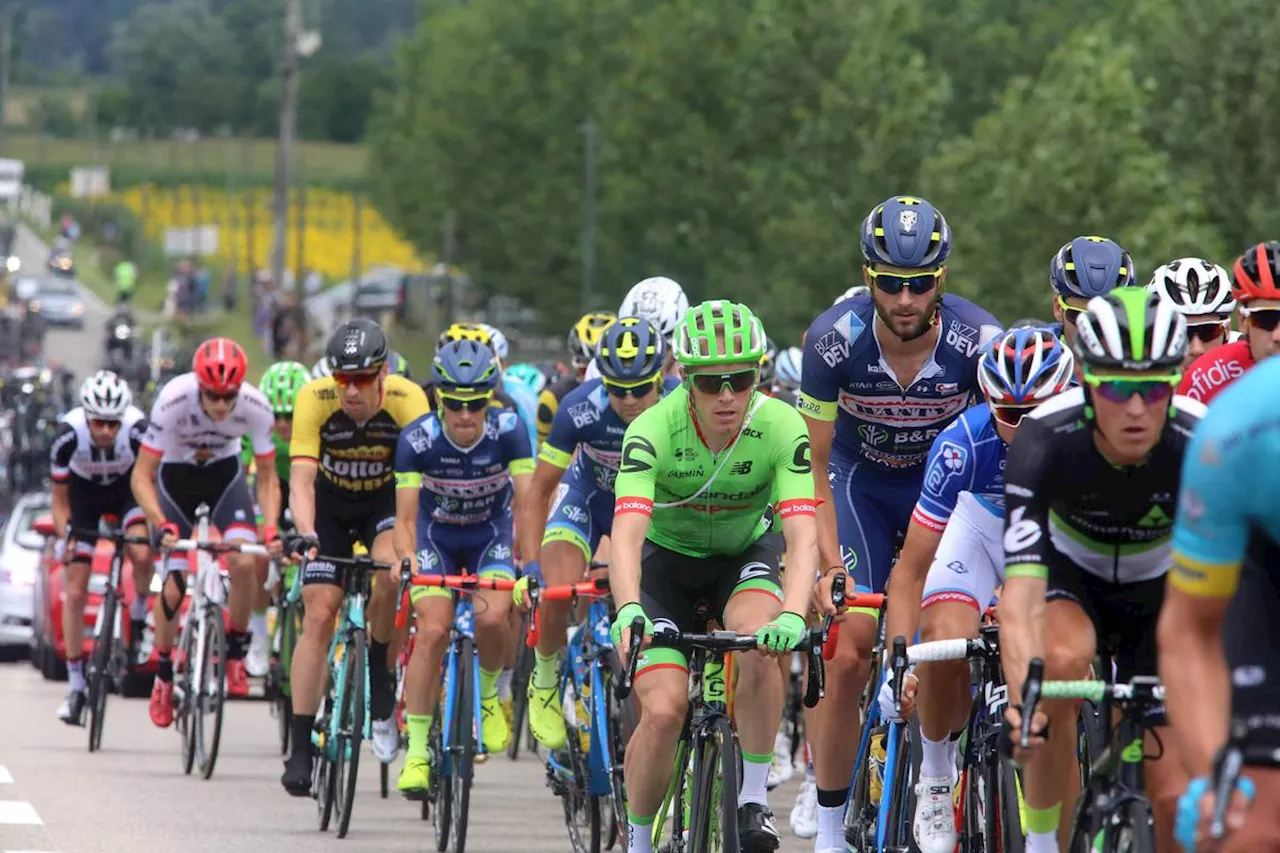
(969, 564)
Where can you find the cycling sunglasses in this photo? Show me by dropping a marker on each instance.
(221, 397)
(1264, 319)
(1207, 333)
(360, 380)
(919, 283)
(1070, 313)
(1156, 389)
(470, 404)
(101, 423)
(631, 389)
(1010, 415)
(713, 383)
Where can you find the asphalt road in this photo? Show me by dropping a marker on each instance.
(132, 796)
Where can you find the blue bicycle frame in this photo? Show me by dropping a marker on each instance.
(585, 665)
(463, 627)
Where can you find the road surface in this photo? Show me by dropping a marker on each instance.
(131, 796)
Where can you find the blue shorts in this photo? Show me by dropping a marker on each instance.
(581, 513)
(873, 509)
(483, 549)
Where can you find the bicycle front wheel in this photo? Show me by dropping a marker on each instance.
(462, 749)
(288, 628)
(99, 676)
(520, 697)
(350, 728)
(713, 817)
(184, 676)
(211, 692)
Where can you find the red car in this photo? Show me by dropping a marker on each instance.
(49, 653)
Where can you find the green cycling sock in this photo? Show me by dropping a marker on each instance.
(419, 726)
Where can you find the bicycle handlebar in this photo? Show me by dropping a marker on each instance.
(462, 583)
(595, 588)
(940, 650)
(84, 534)
(1141, 691)
(867, 600)
(252, 548)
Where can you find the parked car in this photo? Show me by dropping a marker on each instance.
(20, 547)
(58, 301)
(380, 292)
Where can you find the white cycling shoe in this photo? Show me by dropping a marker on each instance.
(256, 661)
(804, 814)
(781, 770)
(386, 740)
(934, 826)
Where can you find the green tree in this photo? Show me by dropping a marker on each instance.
(337, 97)
(1062, 155)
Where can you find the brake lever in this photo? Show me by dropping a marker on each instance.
(816, 685)
(402, 616)
(898, 667)
(633, 657)
(535, 621)
(1030, 699)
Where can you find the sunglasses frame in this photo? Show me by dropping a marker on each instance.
(631, 389)
(754, 373)
(1171, 382)
(1270, 312)
(1069, 312)
(1221, 326)
(997, 408)
(360, 380)
(105, 423)
(465, 403)
(910, 282)
(219, 397)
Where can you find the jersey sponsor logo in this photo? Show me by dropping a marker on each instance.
(893, 460)
(640, 505)
(963, 337)
(606, 458)
(832, 348)
(797, 506)
(481, 487)
(954, 456)
(632, 463)
(682, 453)
(800, 461)
(754, 570)
(583, 414)
(1155, 517)
(872, 434)
(1016, 490)
(682, 475)
(748, 432)
(419, 440)
(1207, 382)
(743, 467)
(1191, 505)
(958, 567)
(575, 513)
(947, 387)
(900, 412)
(500, 552)
(1021, 532)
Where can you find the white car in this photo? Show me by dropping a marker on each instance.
(20, 548)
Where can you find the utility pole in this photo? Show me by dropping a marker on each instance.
(284, 146)
(6, 62)
(588, 215)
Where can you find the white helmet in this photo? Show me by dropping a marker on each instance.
(497, 341)
(659, 300)
(856, 290)
(105, 395)
(789, 367)
(321, 368)
(1194, 287)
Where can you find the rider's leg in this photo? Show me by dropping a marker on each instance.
(942, 698)
(321, 598)
(141, 558)
(562, 562)
(758, 693)
(383, 644)
(76, 578)
(662, 693)
(433, 608)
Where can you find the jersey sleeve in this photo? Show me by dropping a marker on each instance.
(1211, 531)
(308, 417)
(64, 447)
(158, 438)
(262, 427)
(559, 445)
(946, 474)
(819, 385)
(408, 459)
(516, 446)
(136, 433)
(642, 446)
(793, 473)
(1026, 498)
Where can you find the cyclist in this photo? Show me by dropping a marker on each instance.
(856, 290)
(398, 365)
(527, 375)
(1082, 269)
(1201, 292)
(91, 457)
(321, 368)
(661, 301)
(345, 429)
(584, 338)
(1257, 290)
(578, 463)
(1091, 487)
(280, 384)
(190, 456)
(788, 373)
(698, 472)
(952, 560)
(456, 471)
(1216, 656)
(883, 375)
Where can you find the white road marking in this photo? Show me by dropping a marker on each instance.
(6, 778)
(19, 812)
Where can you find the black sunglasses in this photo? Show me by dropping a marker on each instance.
(892, 283)
(471, 404)
(1265, 319)
(738, 381)
(222, 398)
(622, 391)
(1206, 333)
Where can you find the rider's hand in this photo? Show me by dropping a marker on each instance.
(783, 634)
(271, 538)
(1195, 814)
(896, 712)
(620, 632)
(164, 536)
(822, 594)
(1011, 734)
(60, 548)
(308, 546)
(530, 573)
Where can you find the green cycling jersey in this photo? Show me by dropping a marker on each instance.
(282, 455)
(706, 504)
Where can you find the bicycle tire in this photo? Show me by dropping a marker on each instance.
(214, 674)
(350, 728)
(520, 698)
(323, 783)
(284, 709)
(715, 790)
(99, 680)
(440, 793)
(862, 814)
(183, 714)
(581, 809)
(614, 747)
(1011, 838)
(465, 728)
(901, 793)
(384, 780)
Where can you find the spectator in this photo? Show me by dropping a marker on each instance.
(126, 274)
(201, 280)
(286, 329)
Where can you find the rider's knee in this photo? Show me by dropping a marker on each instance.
(433, 633)
(493, 618)
(664, 711)
(852, 658)
(946, 621)
(139, 556)
(1067, 658)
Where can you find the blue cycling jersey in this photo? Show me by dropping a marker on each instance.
(461, 486)
(879, 418)
(967, 456)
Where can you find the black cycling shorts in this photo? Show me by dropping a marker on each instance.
(1123, 615)
(341, 522)
(684, 592)
(221, 486)
(91, 502)
(1248, 640)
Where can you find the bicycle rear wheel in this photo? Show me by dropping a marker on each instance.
(322, 770)
(211, 692)
(350, 727)
(520, 697)
(99, 675)
(713, 816)
(463, 748)
(581, 809)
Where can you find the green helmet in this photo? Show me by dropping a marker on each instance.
(1130, 329)
(281, 384)
(719, 332)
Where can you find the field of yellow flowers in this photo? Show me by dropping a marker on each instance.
(330, 229)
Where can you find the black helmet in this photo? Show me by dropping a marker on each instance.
(358, 344)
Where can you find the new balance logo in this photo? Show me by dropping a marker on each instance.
(743, 467)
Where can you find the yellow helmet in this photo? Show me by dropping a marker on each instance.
(465, 332)
(585, 336)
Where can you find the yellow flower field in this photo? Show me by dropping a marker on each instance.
(244, 221)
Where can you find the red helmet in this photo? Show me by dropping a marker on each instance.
(1257, 273)
(220, 365)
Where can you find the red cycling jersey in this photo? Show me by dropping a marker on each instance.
(1215, 370)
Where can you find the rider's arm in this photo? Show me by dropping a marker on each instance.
(304, 455)
(302, 495)
(64, 447)
(517, 450)
(554, 457)
(404, 538)
(632, 512)
(819, 390)
(1026, 552)
(143, 483)
(60, 506)
(793, 483)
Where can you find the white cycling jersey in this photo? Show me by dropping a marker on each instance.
(74, 453)
(181, 432)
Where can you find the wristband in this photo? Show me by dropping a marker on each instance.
(829, 569)
(270, 533)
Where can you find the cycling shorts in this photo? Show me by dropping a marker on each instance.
(342, 522)
(483, 549)
(683, 593)
(1251, 655)
(220, 485)
(91, 503)
(873, 509)
(581, 513)
(969, 563)
(1124, 615)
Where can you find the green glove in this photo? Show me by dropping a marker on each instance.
(783, 634)
(625, 616)
(518, 591)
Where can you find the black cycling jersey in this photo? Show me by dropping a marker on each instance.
(1065, 503)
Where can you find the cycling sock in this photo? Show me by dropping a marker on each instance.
(419, 726)
(138, 608)
(830, 818)
(377, 658)
(1042, 842)
(545, 673)
(755, 778)
(301, 734)
(504, 684)
(164, 671)
(1042, 829)
(382, 686)
(258, 624)
(75, 674)
(236, 642)
(639, 833)
(489, 682)
(937, 759)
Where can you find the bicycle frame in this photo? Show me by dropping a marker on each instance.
(584, 670)
(463, 627)
(350, 619)
(211, 587)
